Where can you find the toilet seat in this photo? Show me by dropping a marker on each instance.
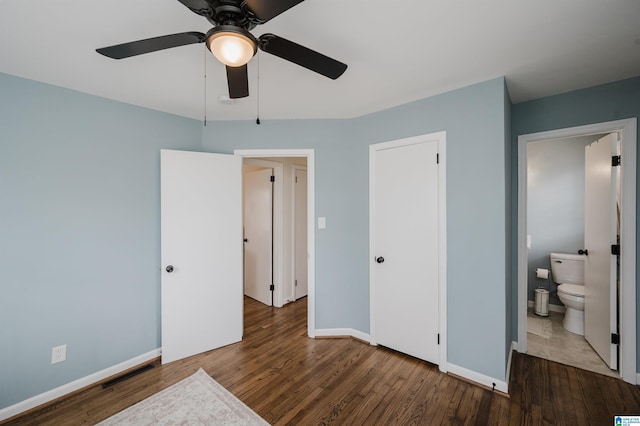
(572, 289)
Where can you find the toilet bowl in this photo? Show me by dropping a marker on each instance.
(572, 295)
(568, 271)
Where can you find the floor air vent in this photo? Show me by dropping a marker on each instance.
(126, 376)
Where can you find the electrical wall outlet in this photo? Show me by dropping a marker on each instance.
(58, 354)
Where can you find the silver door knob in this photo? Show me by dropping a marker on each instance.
(170, 268)
(380, 259)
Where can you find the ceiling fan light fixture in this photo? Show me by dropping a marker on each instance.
(233, 46)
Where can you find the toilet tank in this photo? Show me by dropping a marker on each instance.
(567, 268)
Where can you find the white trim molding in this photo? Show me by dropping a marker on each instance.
(83, 382)
(311, 212)
(484, 380)
(343, 332)
(627, 296)
(481, 379)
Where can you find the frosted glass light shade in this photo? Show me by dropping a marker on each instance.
(231, 48)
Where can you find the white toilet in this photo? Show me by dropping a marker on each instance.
(567, 270)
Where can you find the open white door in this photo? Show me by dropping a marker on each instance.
(600, 310)
(201, 238)
(258, 234)
(300, 224)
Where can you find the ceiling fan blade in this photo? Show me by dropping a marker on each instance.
(201, 7)
(134, 48)
(302, 56)
(268, 9)
(238, 82)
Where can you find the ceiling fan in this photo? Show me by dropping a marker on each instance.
(231, 42)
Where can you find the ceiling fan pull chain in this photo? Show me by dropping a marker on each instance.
(205, 85)
(258, 94)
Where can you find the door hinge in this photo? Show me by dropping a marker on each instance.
(615, 249)
(438, 338)
(438, 158)
(272, 179)
(272, 287)
(615, 160)
(296, 283)
(615, 338)
(296, 179)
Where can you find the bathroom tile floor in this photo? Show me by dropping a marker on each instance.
(546, 338)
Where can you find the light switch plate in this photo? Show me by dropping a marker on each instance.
(322, 222)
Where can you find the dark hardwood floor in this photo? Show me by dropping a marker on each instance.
(288, 378)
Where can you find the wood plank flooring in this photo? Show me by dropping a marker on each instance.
(288, 378)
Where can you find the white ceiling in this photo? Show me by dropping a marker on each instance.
(397, 51)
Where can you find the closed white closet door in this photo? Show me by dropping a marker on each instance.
(301, 287)
(405, 248)
(600, 269)
(201, 238)
(258, 234)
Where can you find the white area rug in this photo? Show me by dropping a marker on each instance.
(196, 400)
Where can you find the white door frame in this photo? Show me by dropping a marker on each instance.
(442, 236)
(627, 312)
(311, 246)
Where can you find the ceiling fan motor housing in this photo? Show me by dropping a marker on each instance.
(231, 12)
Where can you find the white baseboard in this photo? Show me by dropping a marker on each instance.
(342, 332)
(490, 382)
(552, 308)
(83, 382)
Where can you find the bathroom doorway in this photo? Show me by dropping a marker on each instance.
(559, 201)
(549, 208)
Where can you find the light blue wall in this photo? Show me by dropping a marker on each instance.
(608, 102)
(79, 232)
(79, 228)
(474, 119)
(555, 204)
